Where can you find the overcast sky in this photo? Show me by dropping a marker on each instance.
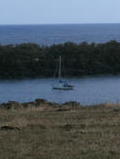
(59, 11)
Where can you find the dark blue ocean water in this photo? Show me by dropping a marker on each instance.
(51, 34)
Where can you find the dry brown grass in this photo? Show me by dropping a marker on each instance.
(49, 132)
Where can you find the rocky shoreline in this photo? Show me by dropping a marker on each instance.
(45, 105)
(40, 103)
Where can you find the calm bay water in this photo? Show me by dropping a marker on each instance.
(88, 90)
(51, 34)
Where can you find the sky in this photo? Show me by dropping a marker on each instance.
(59, 11)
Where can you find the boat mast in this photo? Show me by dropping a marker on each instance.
(59, 73)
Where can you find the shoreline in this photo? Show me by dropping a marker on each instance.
(47, 105)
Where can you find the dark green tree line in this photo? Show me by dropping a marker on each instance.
(32, 60)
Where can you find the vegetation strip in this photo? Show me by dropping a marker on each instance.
(32, 60)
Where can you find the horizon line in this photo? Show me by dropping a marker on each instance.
(62, 23)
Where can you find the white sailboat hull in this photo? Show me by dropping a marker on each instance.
(62, 86)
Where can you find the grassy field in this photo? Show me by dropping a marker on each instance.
(63, 132)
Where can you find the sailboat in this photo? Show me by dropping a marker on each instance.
(62, 84)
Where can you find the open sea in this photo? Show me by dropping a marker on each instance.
(60, 33)
(88, 90)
